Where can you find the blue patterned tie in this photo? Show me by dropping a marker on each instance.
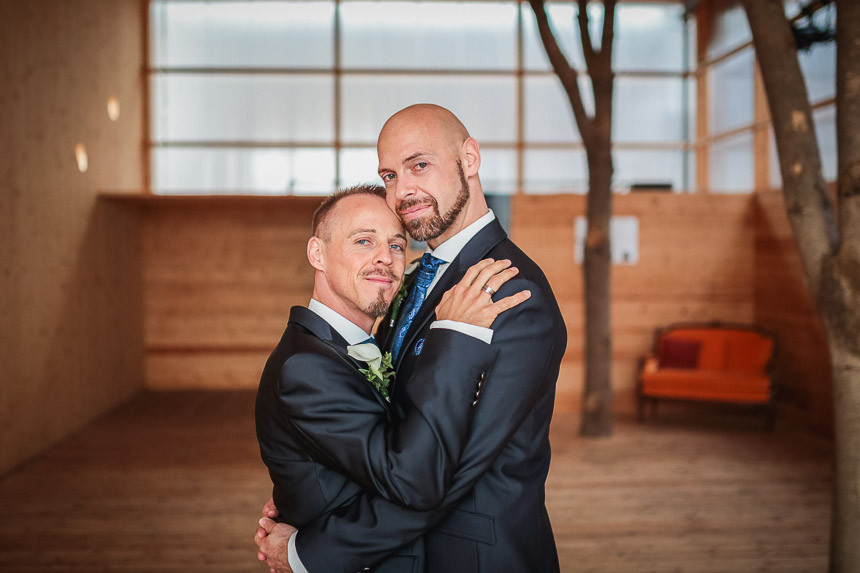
(426, 272)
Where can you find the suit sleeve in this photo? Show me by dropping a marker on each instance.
(530, 339)
(332, 413)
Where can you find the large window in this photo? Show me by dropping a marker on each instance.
(737, 138)
(287, 97)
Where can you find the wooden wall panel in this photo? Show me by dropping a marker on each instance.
(784, 304)
(220, 277)
(70, 280)
(696, 263)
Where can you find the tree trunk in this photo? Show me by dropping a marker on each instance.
(841, 298)
(597, 392)
(596, 136)
(829, 248)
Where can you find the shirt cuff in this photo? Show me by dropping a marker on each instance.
(293, 555)
(479, 332)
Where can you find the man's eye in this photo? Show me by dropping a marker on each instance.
(363, 242)
(421, 165)
(388, 177)
(397, 247)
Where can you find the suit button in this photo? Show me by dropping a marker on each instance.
(367, 569)
(475, 403)
(483, 376)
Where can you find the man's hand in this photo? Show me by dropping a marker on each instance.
(471, 301)
(272, 541)
(269, 510)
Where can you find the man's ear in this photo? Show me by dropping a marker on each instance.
(472, 152)
(316, 256)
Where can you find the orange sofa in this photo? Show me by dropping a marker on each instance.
(709, 362)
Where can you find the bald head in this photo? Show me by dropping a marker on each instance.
(429, 165)
(428, 119)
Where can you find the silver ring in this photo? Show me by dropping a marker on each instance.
(489, 290)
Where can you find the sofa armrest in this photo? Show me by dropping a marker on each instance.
(649, 364)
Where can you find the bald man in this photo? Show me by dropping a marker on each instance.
(493, 517)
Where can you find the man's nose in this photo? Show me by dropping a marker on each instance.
(403, 187)
(383, 255)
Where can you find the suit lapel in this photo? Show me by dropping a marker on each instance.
(322, 330)
(472, 252)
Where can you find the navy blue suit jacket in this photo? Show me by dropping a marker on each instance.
(326, 434)
(493, 517)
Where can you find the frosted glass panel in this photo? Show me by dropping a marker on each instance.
(359, 166)
(555, 172)
(731, 29)
(825, 133)
(819, 71)
(730, 92)
(649, 167)
(548, 115)
(195, 107)
(242, 34)
(429, 35)
(649, 37)
(498, 171)
(730, 165)
(266, 171)
(486, 106)
(648, 109)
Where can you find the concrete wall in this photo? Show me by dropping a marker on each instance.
(70, 273)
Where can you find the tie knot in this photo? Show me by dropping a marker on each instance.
(430, 263)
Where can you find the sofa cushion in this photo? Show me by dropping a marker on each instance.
(680, 353)
(707, 385)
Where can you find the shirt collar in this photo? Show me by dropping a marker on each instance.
(449, 250)
(352, 333)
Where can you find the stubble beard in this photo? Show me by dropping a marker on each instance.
(436, 224)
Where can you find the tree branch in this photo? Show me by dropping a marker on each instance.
(584, 33)
(563, 70)
(608, 35)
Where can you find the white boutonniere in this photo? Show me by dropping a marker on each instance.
(379, 371)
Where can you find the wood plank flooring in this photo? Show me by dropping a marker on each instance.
(173, 482)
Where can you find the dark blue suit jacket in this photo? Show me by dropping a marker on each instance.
(493, 518)
(327, 435)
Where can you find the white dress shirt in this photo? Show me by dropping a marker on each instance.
(353, 334)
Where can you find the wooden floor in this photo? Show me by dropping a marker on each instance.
(173, 482)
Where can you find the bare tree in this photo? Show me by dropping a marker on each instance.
(828, 234)
(596, 132)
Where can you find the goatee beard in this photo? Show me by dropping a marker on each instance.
(436, 224)
(378, 307)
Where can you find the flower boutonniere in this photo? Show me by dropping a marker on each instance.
(379, 371)
(401, 294)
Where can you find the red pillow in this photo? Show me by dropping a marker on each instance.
(679, 353)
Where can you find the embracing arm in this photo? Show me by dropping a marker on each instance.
(530, 340)
(333, 415)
